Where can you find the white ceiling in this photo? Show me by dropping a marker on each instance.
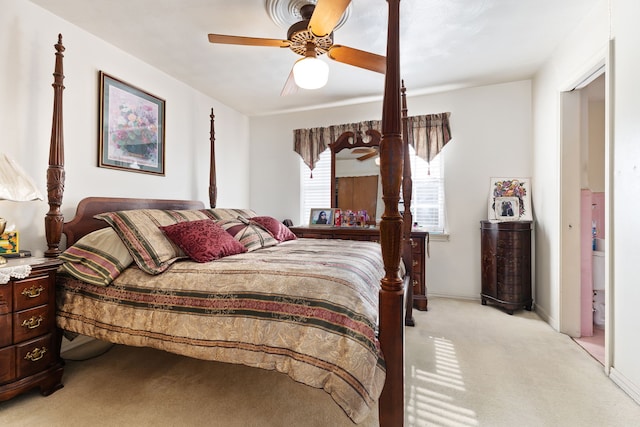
(444, 44)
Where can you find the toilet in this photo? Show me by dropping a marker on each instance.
(598, 288)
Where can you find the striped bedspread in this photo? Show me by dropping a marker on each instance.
(307, 308)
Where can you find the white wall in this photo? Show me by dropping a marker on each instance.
(26, 105)
(491, 129)
(626, 195)
(584, 48)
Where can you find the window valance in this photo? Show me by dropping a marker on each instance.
(428, 134)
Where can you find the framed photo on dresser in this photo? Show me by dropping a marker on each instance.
(510, 199)
(321, 217)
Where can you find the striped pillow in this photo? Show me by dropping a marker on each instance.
(97, 258)
(251, 235)
(139, 230)
(226, 213)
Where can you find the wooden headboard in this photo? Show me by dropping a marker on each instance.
(84, 223)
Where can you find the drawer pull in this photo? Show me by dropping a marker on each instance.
(413, 243)
(415, 262)
(33, 292)
(415, 282)
(36, 354)
(33, 322)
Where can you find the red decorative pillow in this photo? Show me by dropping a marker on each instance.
(277, 229)
(203, 240)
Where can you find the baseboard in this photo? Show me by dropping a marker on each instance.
(450, 296)
(627, 386)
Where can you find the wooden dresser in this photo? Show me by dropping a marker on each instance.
(419, 239)
(29, 339)
(506, 264)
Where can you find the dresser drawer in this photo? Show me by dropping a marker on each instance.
(7, 364)
(417, 245)
(6, 330)
(31, 292)
(6, 298)
(31, 323)
(33, 356)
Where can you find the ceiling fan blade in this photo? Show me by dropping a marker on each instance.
(247, 41)
(358, 58)
(368, 156)
(290, 86)
(326, 15)
(362, 150)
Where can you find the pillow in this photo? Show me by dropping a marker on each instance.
(277, 229)
(149, 247)
(251, 235)
(203, 240)
(97, 258)
(224, 213)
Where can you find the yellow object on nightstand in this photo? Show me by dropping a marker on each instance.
(9, 243)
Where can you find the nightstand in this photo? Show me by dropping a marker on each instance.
(29, 339)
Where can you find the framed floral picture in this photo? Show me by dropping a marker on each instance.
(510, 199)
(131, 128)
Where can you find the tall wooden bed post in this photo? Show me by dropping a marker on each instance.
(55, 172)
(213, 189)
(407, 216)
(391, 405)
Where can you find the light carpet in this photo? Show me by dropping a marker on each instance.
(466, 365)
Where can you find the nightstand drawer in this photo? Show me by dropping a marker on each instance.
(6, 330)
(31, 323)
(33, 356)
(7, 364)
(31, 292)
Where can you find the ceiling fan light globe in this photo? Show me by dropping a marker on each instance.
(310, 73)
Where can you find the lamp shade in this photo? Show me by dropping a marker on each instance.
(310, 73)
(15, 184)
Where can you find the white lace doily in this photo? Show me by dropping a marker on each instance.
(19, 272)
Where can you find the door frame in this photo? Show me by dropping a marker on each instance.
(569, 237)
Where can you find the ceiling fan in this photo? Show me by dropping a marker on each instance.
(366, 153)
(311, 37)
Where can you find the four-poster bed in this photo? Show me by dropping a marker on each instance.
(388, 365)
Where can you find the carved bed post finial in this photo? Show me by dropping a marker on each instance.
(213, 190)
(55, 173)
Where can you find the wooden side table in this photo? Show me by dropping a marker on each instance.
(506, 264)
(29, 338)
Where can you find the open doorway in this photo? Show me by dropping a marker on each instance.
(592, 220)
(584, 213)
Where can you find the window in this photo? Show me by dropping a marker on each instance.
(427, 203)
(428, 190)
(316, 191)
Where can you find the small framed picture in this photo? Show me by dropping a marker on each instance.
(507, 208)
(321, 217)
(507, 195)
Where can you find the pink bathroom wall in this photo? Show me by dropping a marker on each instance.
(586, 267)
(597, 212)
